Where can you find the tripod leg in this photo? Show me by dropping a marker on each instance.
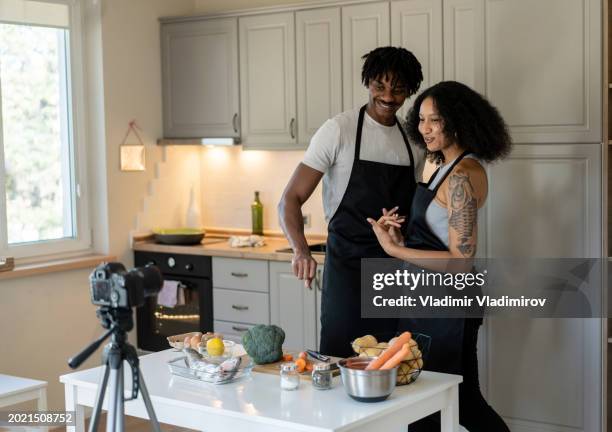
(114, 392)
(120, 417)
(95, 417)
(147, 401)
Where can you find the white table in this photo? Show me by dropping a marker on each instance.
(14, 390)
(258, 404)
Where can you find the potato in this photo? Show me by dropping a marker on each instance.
(372, 352)
(368, 341)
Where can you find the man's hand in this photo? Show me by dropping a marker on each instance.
(304, 267)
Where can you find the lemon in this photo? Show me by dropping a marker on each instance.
(215, 347)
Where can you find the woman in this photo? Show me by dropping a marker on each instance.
(460, 130)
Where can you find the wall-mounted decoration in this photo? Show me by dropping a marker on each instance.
(132, 156)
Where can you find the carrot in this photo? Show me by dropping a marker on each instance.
(397, 358)
(389, 352)
(287, 357)
(301, 365)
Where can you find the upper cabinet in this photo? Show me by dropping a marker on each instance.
(267, 81)
(546, 78)
(464, 42)
(319, 69)
(541, 69)
(200, 78)
(364, 27)
(417, 26)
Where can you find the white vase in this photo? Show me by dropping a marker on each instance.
(192, 218)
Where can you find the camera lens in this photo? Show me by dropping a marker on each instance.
(152, 280)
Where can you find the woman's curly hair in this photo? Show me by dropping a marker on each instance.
(468, 118)
(399, 62)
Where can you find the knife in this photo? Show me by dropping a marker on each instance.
(318, 356)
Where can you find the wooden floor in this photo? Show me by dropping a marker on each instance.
(132, 424)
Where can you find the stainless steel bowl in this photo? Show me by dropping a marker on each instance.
(363, 385)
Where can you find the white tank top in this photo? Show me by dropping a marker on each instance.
(436, 216)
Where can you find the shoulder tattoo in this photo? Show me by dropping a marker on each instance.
(464, 209)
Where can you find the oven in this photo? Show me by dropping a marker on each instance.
(190, 277)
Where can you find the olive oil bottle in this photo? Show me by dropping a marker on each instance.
(257, 215)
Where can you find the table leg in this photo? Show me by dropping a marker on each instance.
(72, 405)
(41, 404)
(450, 413)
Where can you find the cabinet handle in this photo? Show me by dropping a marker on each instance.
(240, 275)
(291, 128)
(240, 308)
(239, 329)
(235, 122)
(318, 280)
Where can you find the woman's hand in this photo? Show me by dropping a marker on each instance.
(383, 236)
(392, 223)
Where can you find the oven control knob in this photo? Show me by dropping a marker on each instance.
(189, 267)
(171, 262)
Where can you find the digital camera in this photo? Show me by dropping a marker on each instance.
(113, 286)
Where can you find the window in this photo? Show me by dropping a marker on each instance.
(41, 130)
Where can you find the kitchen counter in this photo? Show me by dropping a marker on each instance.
(222, 249)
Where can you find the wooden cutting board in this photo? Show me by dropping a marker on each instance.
(274, 368)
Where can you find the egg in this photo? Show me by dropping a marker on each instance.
(195, 341)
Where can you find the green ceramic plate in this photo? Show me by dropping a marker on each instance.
(179, 236)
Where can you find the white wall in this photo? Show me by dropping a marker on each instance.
(46, 319)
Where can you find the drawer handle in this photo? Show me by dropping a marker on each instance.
(240, 308)
(234, 122)
(239, 329)
(240, 275)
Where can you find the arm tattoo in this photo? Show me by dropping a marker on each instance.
(464, 208)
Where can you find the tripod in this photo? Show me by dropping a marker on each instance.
(119, 322)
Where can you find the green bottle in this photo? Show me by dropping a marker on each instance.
(257, 215)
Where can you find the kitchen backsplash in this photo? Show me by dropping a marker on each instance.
(230, 176)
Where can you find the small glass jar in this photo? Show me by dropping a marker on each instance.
(322, 376)
(289, 376)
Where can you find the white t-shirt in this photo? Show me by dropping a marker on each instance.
(332, 149)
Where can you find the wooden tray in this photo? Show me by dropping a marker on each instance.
(274, 368)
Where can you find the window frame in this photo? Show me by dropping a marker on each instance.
(81, 244)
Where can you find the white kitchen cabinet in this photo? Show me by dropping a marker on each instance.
(545, 374)
(464, 42)
(364, 27)
(319, 69)
(318, 294)
(546, 79)
(267, 81)
(200, 78)
(292, 307)
(417, 26)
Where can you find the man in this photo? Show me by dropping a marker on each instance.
(367, 165)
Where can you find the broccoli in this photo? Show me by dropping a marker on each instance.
(264, 343)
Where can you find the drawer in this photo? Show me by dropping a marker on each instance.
(241, 274)
(241, 306)
(231, 330)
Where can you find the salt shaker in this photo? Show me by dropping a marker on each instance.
(289, 376)
(322, 376)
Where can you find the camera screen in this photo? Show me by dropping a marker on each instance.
(100, 290)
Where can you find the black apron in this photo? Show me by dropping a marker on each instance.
(372, 186)
(445, 351)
